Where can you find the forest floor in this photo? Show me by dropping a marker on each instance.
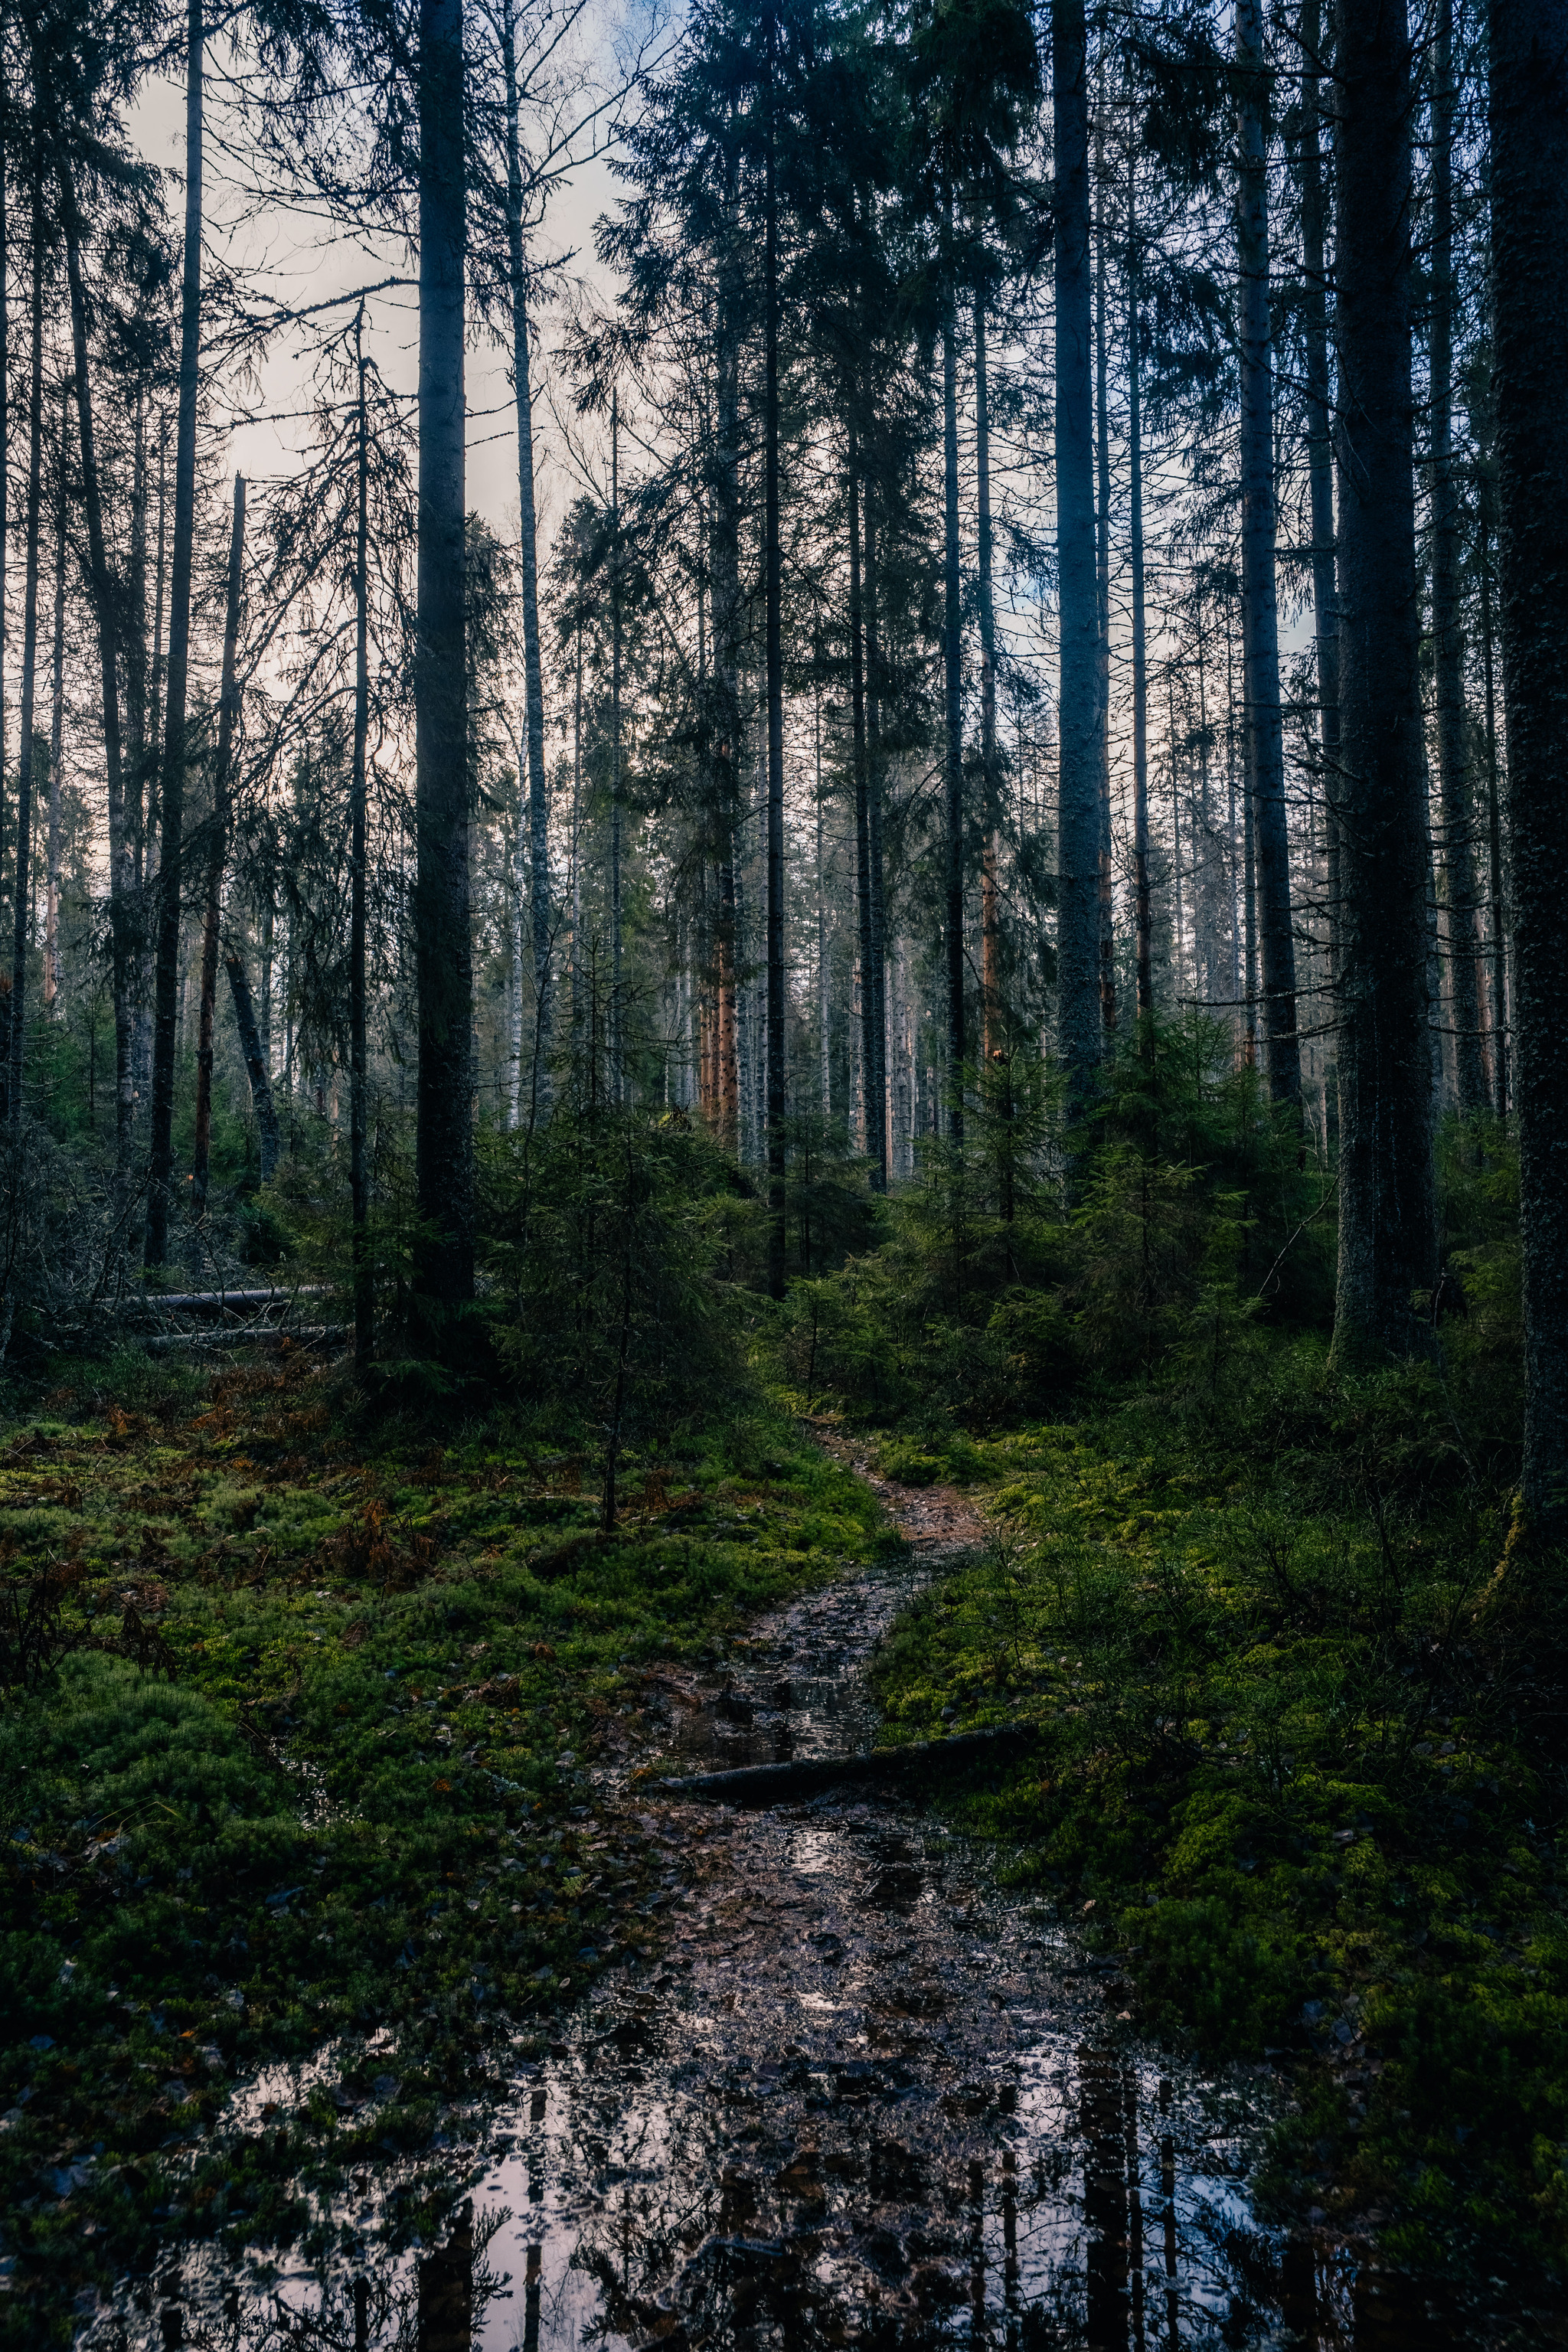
(343, 1879)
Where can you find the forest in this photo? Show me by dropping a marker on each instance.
(780, 914)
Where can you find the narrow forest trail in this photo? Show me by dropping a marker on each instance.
(865, 2097)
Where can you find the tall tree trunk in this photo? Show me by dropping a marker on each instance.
(57, 729)
(726, 625)
(952, 681)
(862, 817)
(135, 652)
(166, 1007)
(1498, 911)
(1320, 461)
(773, 621)
(537, 782)
(1145, 918)
(1387, 1238)
(359, 1108)
(218, 853)
(617, 1076)
(253, 1047)
(1456, 782)
(824, 975)
(17, 1003)
(878, 972)
(1528, 115)
(1078, 843)
(106, 611)
(1264, 737)
(1102, 578)
(990, 908)
(147, 875)
(443, 947)
(4, 444)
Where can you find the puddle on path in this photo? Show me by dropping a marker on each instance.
(866, 2100)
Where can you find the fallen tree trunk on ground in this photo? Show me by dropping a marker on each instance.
(805, 1776)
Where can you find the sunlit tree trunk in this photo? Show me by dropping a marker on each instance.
(1320, 461)
(1529, 116)
(989, 907)
(1142, 906)
(359, 1075)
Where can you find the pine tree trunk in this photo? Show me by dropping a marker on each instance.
(862, 813)
(1319, 459)
(16, 1007)
(218, 852)
(1456, 782)
(1528, 115)
(4, 444)
(106, 612)
(1078, 842)
(253, 1048)
(166, 980)
(538, 788)
(1143, 909)
(952, 655)
(772, 616)
(727, 626)
(990, 905)
(359, 1107)
(879, 973)
(1264, 738)
(618, 1074)
(56, 733)
(443, 947)
(1498, 911)
(1102, 581)
(1387, 1239)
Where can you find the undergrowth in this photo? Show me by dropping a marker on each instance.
(351, 1813)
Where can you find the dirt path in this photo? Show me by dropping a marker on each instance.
(865, 2098)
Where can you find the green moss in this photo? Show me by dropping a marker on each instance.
(1246, 1643)
(359, 1799)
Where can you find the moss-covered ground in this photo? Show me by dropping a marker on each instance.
(1297, 1761)
(305, 1766)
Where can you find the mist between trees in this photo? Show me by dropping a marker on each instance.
(1034, 527)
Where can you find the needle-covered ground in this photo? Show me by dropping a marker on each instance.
(1298, 1759)
(294, 1757)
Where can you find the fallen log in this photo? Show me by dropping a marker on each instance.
(805, 1776)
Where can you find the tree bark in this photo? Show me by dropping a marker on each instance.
(218, 852)
(537, 789)
(990, 906)
(1529, 117)
(727, 621)
(1456, 781)
(879, 973)
(862, 818)
(359, 1171)
(443, 949)
(1078, 843)
(1387, 1238)
(773, 622)
(167, 979)
(106, 612)
(1320, 460)
(253, 1050)
(1143, 911)
(16, 1002)
(953, 683)
(1264, 740)
(1102, 583)
(57, 732)
(617, 1076)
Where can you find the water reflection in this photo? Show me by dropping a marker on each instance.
(868, 2105)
